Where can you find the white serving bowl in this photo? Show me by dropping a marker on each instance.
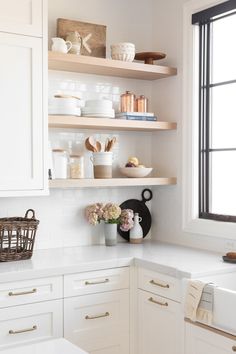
(123, 51)
(136, 172)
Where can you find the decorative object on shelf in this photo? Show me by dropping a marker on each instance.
(76, 166)
(76, 40)
(123, 51)
(127, 102)
(138, 206)
(62, 104)
(60, 162)
(17, 237)
(60, 46)
(136, 172)
(111, 215)
(146, 116)
(93, 36)
(149, 57)
(136, 232)
(102, 164)
(141, 104)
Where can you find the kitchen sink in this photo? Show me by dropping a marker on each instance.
(224, 309)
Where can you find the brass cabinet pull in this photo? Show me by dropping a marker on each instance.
(22, 292)
(157, 302)
(234, 348)
(97, 316)
(96, 282)
(23, 330)
(153, 282)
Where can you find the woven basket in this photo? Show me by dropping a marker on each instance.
(17, 236)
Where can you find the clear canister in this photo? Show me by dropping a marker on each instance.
(60, 161)
(141, 104)
(127, 102)
(76, 166)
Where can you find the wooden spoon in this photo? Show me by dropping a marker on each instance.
(98, 146)
(92, 143)
(111, 144)
(89, 146)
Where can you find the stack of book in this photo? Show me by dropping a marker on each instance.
(137, 116)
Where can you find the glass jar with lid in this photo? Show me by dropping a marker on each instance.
(60, 163)
(76, 166)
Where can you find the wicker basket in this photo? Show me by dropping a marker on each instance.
(17, 236)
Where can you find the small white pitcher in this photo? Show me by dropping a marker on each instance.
(61, 46)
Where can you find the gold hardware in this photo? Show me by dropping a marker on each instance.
(234, 348)
(158, 302)
(23, 292)
(153, 282)
(23, 330)
(97, 316)
(96, 282)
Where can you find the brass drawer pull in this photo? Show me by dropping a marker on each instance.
(153, 282)
(96, 282)
(23, 330)
(157, 302)
(234, 348)
(97, 316)
(22, 293)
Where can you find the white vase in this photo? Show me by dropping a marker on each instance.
(110, 232)
(136, 233)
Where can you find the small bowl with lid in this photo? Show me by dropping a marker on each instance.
(124, 51)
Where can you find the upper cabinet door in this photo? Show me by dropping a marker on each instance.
(21, 121)
(22, 17)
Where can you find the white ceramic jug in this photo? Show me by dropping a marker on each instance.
(136, 233)
(59, 45)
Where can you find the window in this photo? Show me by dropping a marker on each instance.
(217, 111)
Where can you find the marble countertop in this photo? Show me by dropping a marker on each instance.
(168, 259)
(54, 346)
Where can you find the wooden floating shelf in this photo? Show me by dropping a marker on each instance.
(112, 182)
(108, 124)
(107, 67)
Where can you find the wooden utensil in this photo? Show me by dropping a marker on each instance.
(98, 146)
(112, 143)
(89, 146)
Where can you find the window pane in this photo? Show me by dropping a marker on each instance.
(224, 49)
(223, 190)
(223, 116)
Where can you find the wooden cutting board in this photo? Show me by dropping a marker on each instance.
(97, 42)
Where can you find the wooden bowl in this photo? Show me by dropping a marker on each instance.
(149, 57)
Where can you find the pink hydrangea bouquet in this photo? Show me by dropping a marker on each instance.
(110, 213)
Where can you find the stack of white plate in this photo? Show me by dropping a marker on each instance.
(98, 109)
(65, 106)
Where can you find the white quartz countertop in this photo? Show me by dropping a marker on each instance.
(55, 346)
(168, 259)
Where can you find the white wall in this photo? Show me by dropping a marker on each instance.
(61, 214)
(167, 101)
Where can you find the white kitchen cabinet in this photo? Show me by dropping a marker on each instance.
(23, 131)
(21, 17)
(30, 323)
(159, 325)
(98, 323)
(200, 340)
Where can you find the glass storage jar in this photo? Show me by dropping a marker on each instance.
(60, 162)
(76, 166)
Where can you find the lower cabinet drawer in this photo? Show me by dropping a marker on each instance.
(159, 284)
(98, 323)
(30, 323)
(28, 291)
(96, 282)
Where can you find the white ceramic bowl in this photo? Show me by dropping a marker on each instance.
(136, 172)
(123, 51)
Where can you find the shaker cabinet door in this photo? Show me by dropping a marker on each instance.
(160, 327)
(21, 121)
(21, 17)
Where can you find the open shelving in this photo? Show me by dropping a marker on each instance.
(111, 182)
(74, 122)
(107, 67)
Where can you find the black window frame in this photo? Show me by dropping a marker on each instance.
(204, 20)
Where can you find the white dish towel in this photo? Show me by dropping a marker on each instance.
(199, 301)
